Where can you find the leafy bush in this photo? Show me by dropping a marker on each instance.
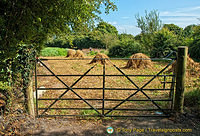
(91, 53)
(194, 48)
(52, 51)
(125, 49)
(164, 42)
(59, 43)
(192, 98)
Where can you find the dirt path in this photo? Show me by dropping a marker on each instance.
(122, 127)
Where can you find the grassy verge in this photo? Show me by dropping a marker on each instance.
(192, 98)
(53, 51)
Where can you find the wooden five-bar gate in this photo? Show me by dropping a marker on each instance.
(144, 94)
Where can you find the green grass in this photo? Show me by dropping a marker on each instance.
(53, 51)
(192, 98)
(88, 112)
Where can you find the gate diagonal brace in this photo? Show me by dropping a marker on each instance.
(140, 89)
(69, 88)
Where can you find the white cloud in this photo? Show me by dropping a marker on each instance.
(181, 16)
(188, 9)
(129, 29)
(113, 23)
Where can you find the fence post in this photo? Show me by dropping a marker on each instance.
(181, 66)
(30, 99)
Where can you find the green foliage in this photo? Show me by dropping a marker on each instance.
(189, 30)
(26, 25)
(88, 112)
(192, 98)
(17, 71)
(52, 51)
(149, 23)
(5, 89)
(163, 43)
(104, 27)
(125, 37)
(125, 49)
(146, 40)
(174, 28)
(86, 41)
(103, 36)
(32, 21)
(92, 53)
(194, 48)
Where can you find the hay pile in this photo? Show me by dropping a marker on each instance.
(71, 53)
(75, 54)
(79, 54)
(138, 61)
(193, 68)
(99, 58)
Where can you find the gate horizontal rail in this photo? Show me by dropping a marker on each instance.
(154, 59)
(104, 99)
(101, 89)
(111, 75)
(102, 109)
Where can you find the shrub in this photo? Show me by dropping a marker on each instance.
(125, 49)
(92, 53)
(52, 51)
(194, 48)
(192, 98)
(164, 42)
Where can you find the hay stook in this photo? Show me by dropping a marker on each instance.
(79, 54)
(75, 54)
(100, 57)
(71, 53)
(139, 60)
(193, 68)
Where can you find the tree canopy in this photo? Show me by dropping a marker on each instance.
(30, 22)
(174, 28)
(150, 22)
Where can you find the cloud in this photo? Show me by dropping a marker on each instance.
(113, 23)
(129, 29)
(181, 16)
(188, 9)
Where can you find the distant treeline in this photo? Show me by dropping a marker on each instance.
(155, 44)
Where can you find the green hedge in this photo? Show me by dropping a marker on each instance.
(53, 51)
(125, 49)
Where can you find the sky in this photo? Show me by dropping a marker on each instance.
(178, 12)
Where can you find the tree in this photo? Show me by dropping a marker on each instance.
(30, 22)
(125, 37)
(194, 48)
(174, 28)
(104, 27)
(26, 24)
(164, 42)
(149, 23)
(189, 30)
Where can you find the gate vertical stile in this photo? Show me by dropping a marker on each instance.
(172, 92)
(36, 91)
(103, 103)
(164, 82)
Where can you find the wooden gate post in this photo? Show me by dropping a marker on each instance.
(30, 99)
(181, 66)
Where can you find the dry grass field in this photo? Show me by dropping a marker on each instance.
(79, 67)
